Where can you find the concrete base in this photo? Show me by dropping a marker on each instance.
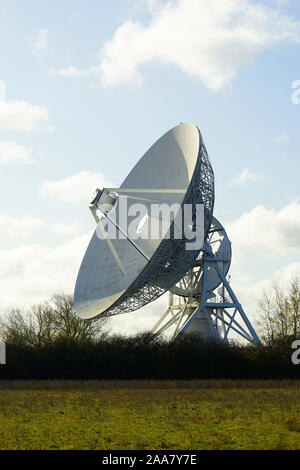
(200, 327)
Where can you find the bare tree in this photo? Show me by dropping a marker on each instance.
(48, 321)
(294, 302)
(18, 327)
(265, 324)
(67, 324)
(280, 312)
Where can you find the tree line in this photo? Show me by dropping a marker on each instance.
(49, 342)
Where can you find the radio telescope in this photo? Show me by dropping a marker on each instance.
(125, 268)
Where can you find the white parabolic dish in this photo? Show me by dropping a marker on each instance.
(118, 277)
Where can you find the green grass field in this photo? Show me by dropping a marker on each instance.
(151, 415)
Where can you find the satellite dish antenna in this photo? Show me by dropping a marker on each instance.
(123, 273)
(124, 268)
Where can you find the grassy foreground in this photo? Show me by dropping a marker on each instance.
(195, 415)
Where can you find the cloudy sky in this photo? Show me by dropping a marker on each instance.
(87, 87)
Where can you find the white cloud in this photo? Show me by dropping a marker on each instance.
(245, 177)
(281, 3)
(77, 187)
(2, 90)
(32, 273)
(41, 40)
(288, 272)
(65, 229)
(154, 5)
(22, 116)
(73, 72)
(18, 227)
(280, 139)
(268, 230)
(22, 226)
(209, 40)
(10, 151)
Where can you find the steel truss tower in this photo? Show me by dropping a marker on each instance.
(204, 303)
